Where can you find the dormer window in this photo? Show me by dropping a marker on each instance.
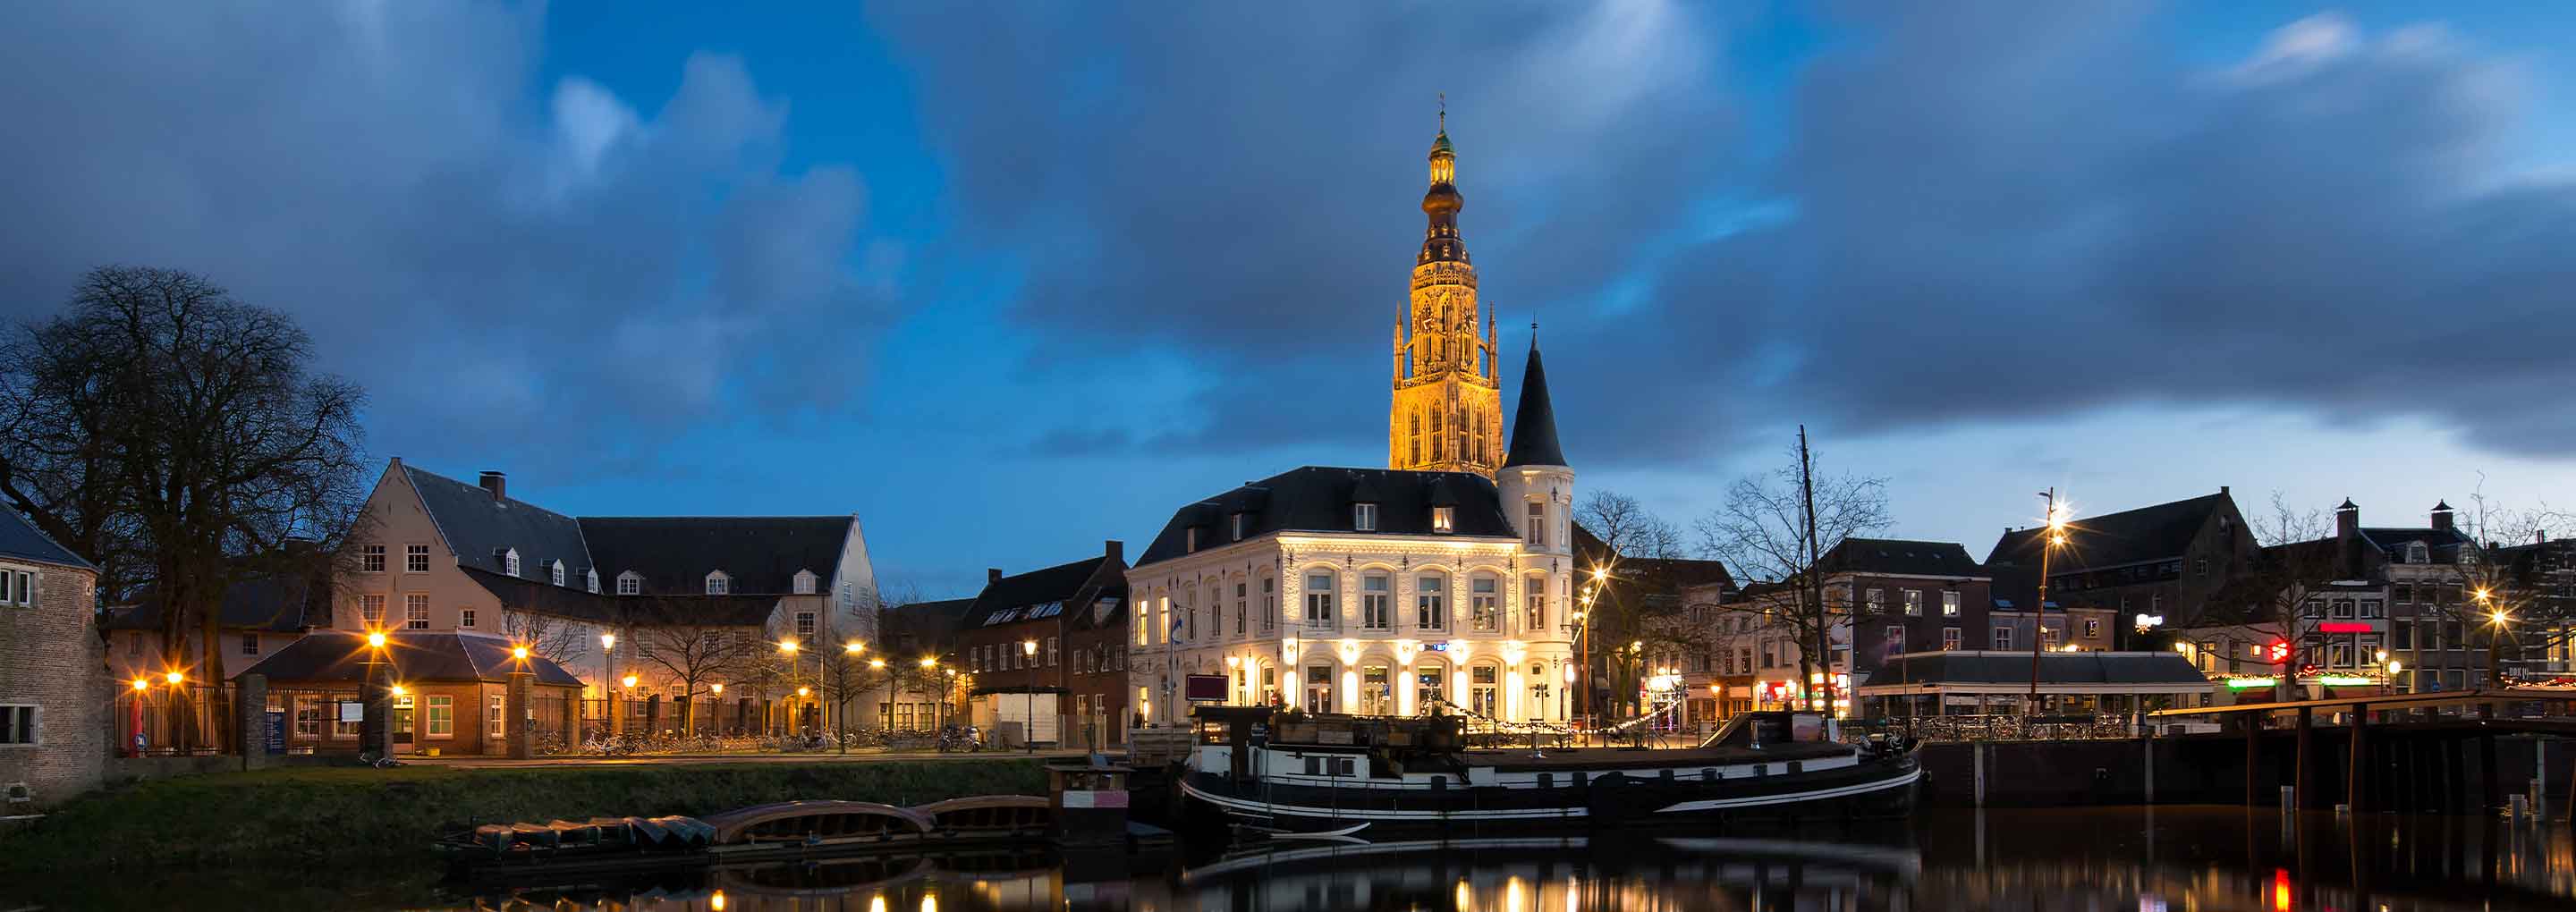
(555, 573)
(1190, 540)
(2416, 553)
(1237, 530)
(630, 584)
(719, 584)
(590, 578)
(1364, 517)
(510, 561)
(1443, 519)
(804, 582)
(2468, 554)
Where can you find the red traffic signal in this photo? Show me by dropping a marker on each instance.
(2278, 652)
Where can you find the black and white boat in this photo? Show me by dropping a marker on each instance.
(1316, 774)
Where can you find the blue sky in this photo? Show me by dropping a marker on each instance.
(1008, 280)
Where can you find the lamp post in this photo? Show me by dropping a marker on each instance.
(2052, 535)
(1029, 648)
(607, 674)
(787, 647)
(841, 720)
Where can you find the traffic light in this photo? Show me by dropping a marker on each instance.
(2278, 652)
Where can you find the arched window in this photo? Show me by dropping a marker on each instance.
(510, 562)
(590, 580)
(1269, 602)
(1436, 448)
(1485, 602)
(1485, 689)
(1377, 601)
(1431, 602)
(719, 584)
(1415, 434)
(1190, 611)
(1319, 599)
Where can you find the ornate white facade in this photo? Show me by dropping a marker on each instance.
(1368, 623)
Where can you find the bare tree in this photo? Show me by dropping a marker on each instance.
(1626, 527)
(2286, 589)
(551, 638)
(177, 436)
(694, 655)
(1774, 526)
(2506, 595)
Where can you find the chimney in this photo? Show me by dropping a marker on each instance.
(2442, 515)
(2222, 489)
(2347, 520)
(992, 575)
(1115, 549)
(496, 483)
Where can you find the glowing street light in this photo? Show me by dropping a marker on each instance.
(629, 681)
(854, 647)
(519, 652)
(787, 646)
(929, 662)
(608, 641)
(718, 687)
(175, 678)
(375, 639)
(140, 684)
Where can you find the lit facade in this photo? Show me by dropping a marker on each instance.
(1446, 414)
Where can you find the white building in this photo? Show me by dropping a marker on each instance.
(1371, 591)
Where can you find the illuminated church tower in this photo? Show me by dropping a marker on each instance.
(1447, 414)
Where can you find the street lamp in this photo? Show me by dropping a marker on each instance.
(2055, 537)
(1029, 648)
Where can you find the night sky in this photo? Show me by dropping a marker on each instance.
(1006, 281)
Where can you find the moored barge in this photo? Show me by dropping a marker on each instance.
(1366, 775)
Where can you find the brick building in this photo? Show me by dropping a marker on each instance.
(2163, 564)
(1887, 597)
(259, 617)
(52, 686)
(1072, 686)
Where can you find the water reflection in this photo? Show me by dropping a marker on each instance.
(2160, 860)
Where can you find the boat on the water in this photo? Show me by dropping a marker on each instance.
(1313, 774)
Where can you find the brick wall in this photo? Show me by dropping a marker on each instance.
(54, 663)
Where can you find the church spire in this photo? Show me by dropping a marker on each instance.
(1441, 203)
(1447, 408)
(1534, 424)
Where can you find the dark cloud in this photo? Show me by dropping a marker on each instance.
(1979, 213)
(506, 265)
(1240, 186)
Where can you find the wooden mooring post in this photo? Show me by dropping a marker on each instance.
(2356, 770)
(2253, 753)
(2306, 762)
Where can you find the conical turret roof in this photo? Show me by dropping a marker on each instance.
(1534, 424)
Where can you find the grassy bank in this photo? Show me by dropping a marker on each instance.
(312, 817)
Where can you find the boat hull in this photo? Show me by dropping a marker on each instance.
(1879, 789)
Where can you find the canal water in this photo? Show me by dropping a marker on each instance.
(2088, 860)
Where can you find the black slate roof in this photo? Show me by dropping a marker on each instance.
(1319, 498)
(2009, 667)
(2442, 545)
(1900, 556)
(2160, 532)
(423, 656)
(1064, 590)
(1654, 574)
(687, 609)
(288, 604)
(675, 554)
(1534, 421)
(21, 539)
(476, 525)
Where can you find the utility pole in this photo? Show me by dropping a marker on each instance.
(1815, 583)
